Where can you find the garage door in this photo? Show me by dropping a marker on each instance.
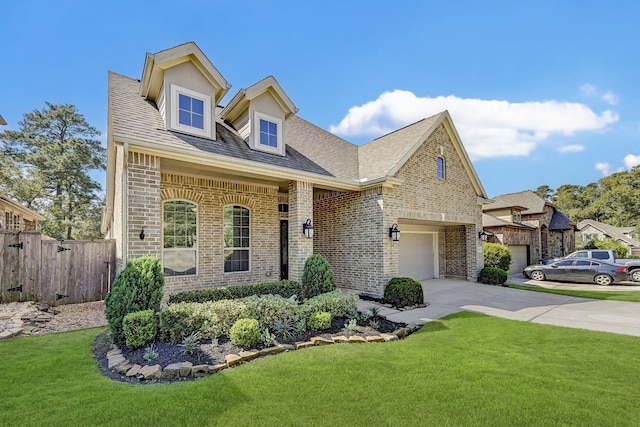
(518, 259)
(416, 256)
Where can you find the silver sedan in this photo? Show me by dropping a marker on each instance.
(578, 270)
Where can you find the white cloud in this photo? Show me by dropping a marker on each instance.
(574, 148)
(610, 97)
(631, 160)
(588, 89)
(488, 128)
(605, 168)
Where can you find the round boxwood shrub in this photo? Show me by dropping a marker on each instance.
(317, 276)
(320, 320)
(496, 256)
(492, 276)
(138, 287)
(140, 328)
(245, 333)
(403, 291)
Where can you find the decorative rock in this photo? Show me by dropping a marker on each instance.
(356, 339)
(5, 334)
(340, 339)
(6, 316)
(304, 344)
(123, 367)
(114, 352)
(271, 350)
(216, 368)
(232, 359)
(248, 355)
(134, 370)
(375, 338)
(321, 341)
(389, 337)
(185, 369)
(115, 360)
(199, 370)
(401, 333)
(287, 347)
(151, 372)
(172, 370)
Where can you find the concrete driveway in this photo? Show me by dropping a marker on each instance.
(448, 296)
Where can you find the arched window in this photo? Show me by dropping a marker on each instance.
(440, 167)
(236, 239)
(179, 232)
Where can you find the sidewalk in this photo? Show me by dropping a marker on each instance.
(448, 296)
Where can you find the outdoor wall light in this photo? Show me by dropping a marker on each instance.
(394, 233)
(483, 235)
(141, 235)
(307, 229)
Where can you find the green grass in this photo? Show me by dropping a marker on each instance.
(630, 296)
(463, 370)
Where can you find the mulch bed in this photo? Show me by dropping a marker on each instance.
(210, 354)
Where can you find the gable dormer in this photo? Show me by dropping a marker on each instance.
(186, 88)
(259, 113)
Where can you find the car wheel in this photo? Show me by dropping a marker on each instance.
(635, 275)
(603, 279)
(537, 275)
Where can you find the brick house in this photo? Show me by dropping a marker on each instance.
(532, 227)
(228, 194)
(15, 217)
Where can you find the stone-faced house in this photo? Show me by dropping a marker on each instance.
(532, 228)
(590, 229)
(15, 217)
(228, 194)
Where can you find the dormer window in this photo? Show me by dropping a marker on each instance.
(267, 134)
(516, 216)
(191, 112)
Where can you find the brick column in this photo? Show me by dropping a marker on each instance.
(300, 209)
(143, 205)
(475, 254)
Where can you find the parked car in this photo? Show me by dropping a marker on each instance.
(578, 270)
(605, 255)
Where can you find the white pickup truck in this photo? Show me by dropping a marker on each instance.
(608, 255)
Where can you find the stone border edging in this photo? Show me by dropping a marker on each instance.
(119, 364)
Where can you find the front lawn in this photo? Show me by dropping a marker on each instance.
(466, 369)
(630, 296)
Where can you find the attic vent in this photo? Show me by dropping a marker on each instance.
(441, 149)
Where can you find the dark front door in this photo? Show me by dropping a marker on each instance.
(284, 249)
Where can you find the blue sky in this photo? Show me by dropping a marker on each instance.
(541, 92)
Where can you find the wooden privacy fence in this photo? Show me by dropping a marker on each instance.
(37, 268)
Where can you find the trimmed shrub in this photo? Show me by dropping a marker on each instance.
(140, 328)
(320, 320)
(226, 313)
(269, 309)
(403, 291)
(178, 321)
(245, 333)
(496, 256)
(317, 276)
(284, 288)
(336, 303)
(138, 287)
(492, 276)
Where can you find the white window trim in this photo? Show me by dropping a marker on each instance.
(250, 240)
(175, 111)
(195, 247)
(256, 134)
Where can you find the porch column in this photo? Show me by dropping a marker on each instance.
(300, 209)
(475, 254)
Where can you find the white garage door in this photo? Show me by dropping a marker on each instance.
(416, 256)
(518, 259)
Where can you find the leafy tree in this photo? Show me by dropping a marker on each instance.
(544, 191)
(52, 154)
(619, 248)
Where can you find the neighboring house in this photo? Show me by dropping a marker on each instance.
(590, 229)
(532, 228)
(15, 217)
(228, 195)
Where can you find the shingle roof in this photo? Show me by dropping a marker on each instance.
(379, 157)
(560, 221)
(492, 221)
(134, 117)
(533, 203)
(610, 230)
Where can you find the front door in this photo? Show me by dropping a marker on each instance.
(284, 249)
